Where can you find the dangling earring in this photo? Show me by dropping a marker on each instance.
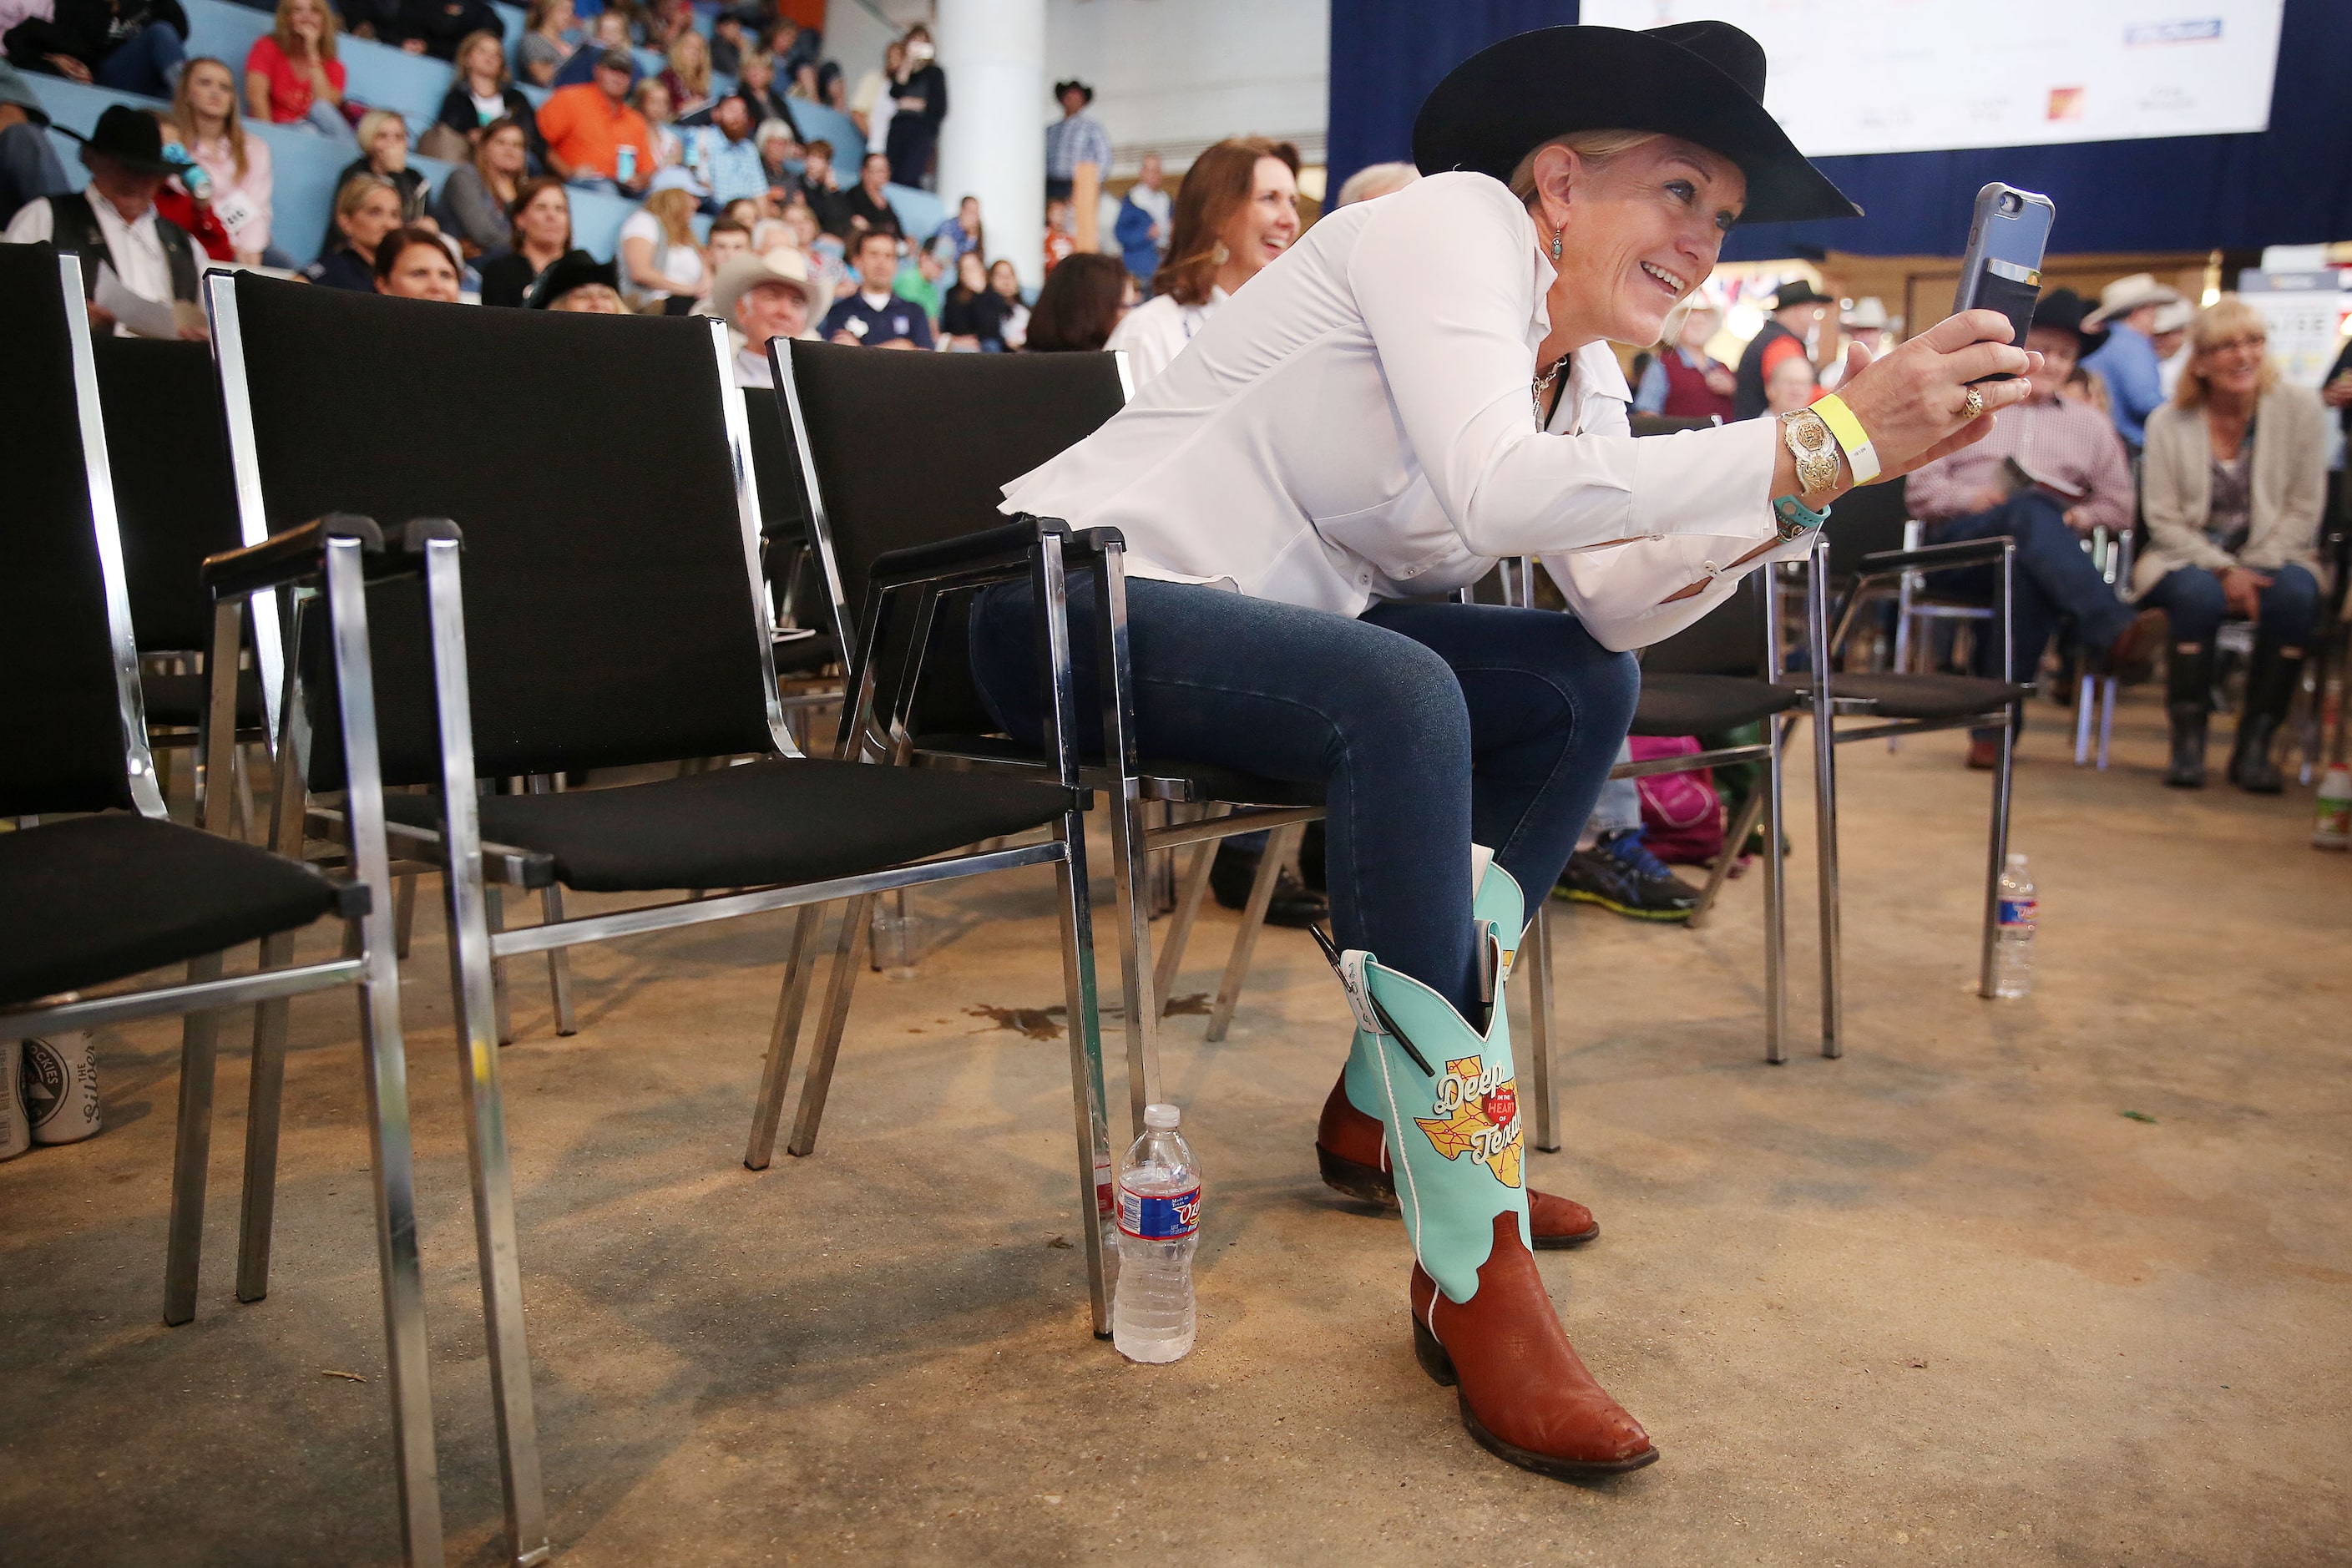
(1555, 246)
(1221, 256)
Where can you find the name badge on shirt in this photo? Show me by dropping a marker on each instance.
(898, 325)
(857, 325)
(234, 211)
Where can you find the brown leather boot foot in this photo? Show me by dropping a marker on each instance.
(1353, 1153)
(1525, 1395)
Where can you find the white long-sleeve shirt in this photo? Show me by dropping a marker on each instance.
(1337, 432)
(1154, 334)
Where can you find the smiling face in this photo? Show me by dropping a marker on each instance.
(2233, 365)
(423, 270)
(1263, 226)
(1639, 231)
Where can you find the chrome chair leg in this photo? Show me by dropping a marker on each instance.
(1278, 844)
(1179, 923)
(1130, 878)
(848, 958)
(494, 911)
(2106, 717)
(1534, 946)
(1090, 1119)
(2084, 690)
(1997, 860)
(403, 921)
(1825, 850)
(1776, 895)
(559, 963)
(783, 1038)
(243, 777)
(265, 1094)
(191, 1150)
(1744, 825)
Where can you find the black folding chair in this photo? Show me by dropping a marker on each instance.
(1904, 703)
(176, 503)
(907, 450)
(611, 613)
(92, 900)
(1716, 673)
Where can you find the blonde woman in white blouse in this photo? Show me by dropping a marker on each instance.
(1340, 438)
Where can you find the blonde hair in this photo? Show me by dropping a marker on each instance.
(475, 41)
(1595, 147)
(282, 29)
(2225, 318)
(183, 114)
(373, 122)
(674, 210)
(693, 75)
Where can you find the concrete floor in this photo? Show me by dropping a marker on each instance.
(1940, 1301)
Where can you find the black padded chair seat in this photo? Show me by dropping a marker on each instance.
(94, 898)
(771, 821)
(179, 700)
(1894, 695)
(1674, 704)
(1210, 781)
(803, 656)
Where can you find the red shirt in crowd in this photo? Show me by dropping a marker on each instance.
(289, 84)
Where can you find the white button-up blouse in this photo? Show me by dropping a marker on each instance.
(1357, 423)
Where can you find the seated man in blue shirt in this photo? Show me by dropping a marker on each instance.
(2128, 361)
(875, 316)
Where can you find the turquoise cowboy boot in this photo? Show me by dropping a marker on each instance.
(1482, 1320)
(1350, 1145)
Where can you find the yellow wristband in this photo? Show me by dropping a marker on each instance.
(1851, 436)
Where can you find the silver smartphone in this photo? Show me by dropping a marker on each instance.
(2002, 268)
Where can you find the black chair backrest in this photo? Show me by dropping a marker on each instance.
(175, 496)
(910, 449)
(1864, 522)
(1726, 640)
(612, 615)
(64, 706)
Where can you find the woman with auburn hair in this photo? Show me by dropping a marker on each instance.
(416, 264)
(540, 238)
(292, 75)
(477, 196)
(1236, 211)
(1420, 385)
(2233, 482)
(205, 109)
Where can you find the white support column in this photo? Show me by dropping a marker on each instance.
(993, 145)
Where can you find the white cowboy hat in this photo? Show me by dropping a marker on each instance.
(2175, 317)
(2125, 295)
(745, 273)
(1869, 314)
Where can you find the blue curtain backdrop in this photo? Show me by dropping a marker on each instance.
(2289, 186)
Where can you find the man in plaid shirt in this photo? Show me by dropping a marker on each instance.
(1077, 156)
(2049, 471)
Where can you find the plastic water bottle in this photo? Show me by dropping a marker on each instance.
(1159, 1225)
(2332, 829)
(2021, 911)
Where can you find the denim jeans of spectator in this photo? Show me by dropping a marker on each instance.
(1618, 805)
(1428, 726)
(2190, 598)
(2054, 580)
(148, 63)
(589, 180)
(326, 120)
(30, 169)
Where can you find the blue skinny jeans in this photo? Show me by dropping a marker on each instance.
(2190, 598)
(1428, 727)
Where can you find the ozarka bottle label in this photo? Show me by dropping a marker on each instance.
(2020, 911)
(1151, 1218)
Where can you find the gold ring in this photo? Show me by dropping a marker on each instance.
(1973, 404)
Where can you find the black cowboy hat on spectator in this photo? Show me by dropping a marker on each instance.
(1703, 82)
(1073, 85)
(2064, 310)
(131, 138)
(572, 269)
(1799, 291)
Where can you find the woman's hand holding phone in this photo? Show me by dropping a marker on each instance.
(1913, 400)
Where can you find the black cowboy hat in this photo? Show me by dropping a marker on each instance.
(1073, 85)
(1799, 291)
(131, 138)
(572, 269)
(1703, 82)
(2064, 310)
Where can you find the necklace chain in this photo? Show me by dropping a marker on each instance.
(1543, 384)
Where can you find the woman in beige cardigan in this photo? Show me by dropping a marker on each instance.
(2235, 477)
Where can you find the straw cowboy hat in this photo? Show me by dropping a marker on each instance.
(1703, 82)
(745, 273)
(2125, 295)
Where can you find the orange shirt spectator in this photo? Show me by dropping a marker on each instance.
(586, 126)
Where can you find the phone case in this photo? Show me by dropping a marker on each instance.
(2002, 268)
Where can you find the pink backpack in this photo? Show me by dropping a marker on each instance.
(1682, 816)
